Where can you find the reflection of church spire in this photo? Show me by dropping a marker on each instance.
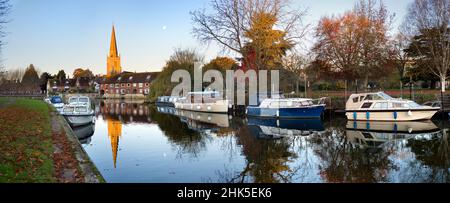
(114, 133)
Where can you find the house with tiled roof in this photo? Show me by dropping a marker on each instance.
(81, 84)
(126, 85)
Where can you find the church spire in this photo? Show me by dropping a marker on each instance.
(113, 47)
(113, 60)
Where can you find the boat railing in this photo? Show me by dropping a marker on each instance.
(321, 101)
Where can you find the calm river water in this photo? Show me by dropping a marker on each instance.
(133, 142)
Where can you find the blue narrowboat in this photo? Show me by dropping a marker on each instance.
(280, 107)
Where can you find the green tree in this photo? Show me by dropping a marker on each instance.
(230, 21)
(31, 76)
(79, 72)
(221, 64)
(267, 44)
(45, 77)
(61, 75)
(181, 59)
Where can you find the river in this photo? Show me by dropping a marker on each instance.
(136, 142)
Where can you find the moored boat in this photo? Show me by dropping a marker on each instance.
(57, 102)
(382, 107)
(211, 102)
(78, 112)
(280, 107)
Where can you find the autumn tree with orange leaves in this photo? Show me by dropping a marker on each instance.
(354, 45)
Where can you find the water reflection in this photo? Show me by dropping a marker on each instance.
(163, 144)
(279, 128)
(84, 133)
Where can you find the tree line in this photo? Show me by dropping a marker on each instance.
(358, 46)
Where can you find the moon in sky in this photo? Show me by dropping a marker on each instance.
(164, 27)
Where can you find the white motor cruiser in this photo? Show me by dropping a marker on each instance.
(382, 107)
(211, 102)
(78, 112)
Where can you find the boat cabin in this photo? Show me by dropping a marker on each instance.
(206, 97)
(378, 101)
(56, 100)
(79, 100)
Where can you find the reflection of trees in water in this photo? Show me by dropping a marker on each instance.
(342, 161)
(186, 141)
(432, 152)
(266, 160)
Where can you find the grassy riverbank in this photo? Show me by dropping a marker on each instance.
(36, 148)
(26, 149)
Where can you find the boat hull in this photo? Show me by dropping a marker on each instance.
(392, 115)
(218, 107)
(76, 121)
(305, 112)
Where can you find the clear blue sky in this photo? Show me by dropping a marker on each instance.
(67, 34)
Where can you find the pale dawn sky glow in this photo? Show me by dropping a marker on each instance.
(68, 34)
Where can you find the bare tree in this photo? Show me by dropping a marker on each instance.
(232, 19)
(398, 57)
(186, 56)
(428, 21)
(4, 10)
(375, 15)
(297, 64)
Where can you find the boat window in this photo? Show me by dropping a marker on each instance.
(377, 97)
(366, 105)
(81, 109)
(414, 105)
(290, 103)
(399, 105)
(73, 100)
(385, 96)
(355, 100)
(305, 103)
(84, 100)
(381, 105)
(391, 105)
(368, 97)
(68, 109)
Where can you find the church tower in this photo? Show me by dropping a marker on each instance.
(113, 60)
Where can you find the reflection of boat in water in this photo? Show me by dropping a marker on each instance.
(203, 120)
(279, 128)
(167, 101)
(167, 110)
(412, 127)
(84, 133)
(374, 134)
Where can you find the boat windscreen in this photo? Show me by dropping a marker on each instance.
(414, 105)
(84, 100)
(385, 96)
(73, 100)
